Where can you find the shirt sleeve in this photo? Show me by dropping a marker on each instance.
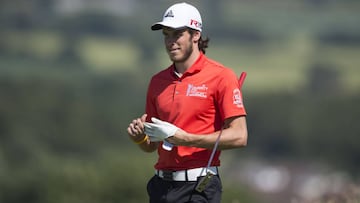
(229, 95)
(150, 106)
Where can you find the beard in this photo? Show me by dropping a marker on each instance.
(183, 56)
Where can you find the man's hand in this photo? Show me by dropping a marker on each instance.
(159, 130)
(136, 129)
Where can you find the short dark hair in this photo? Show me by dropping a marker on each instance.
(203, 42)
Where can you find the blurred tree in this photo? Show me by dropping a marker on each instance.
(22, 15)
(340, 36)
(324, 80)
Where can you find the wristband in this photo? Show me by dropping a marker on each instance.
(143, 140)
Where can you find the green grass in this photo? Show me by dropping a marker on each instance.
(271, 66)
(108, 54)
(44, 45)
(274, 66)
(284, 66)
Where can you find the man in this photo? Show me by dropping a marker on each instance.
(192, 105)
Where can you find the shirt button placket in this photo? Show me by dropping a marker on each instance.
(176, 92)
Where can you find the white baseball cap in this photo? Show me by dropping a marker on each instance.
(180, 15)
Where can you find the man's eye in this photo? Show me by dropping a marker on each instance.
(178, 34)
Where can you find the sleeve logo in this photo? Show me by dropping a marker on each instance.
(237, 100)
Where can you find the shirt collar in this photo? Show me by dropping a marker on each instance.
(195, 68)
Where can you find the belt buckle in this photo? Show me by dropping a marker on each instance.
(168, 175)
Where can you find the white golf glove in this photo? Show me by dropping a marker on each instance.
(159, 130)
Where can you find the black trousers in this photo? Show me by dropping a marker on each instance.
(163, 191)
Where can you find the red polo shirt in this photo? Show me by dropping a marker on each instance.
(198, 102)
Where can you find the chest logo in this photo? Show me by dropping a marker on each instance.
(197, 91)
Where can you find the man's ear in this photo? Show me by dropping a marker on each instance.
(196, 36)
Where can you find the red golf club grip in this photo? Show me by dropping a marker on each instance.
(242, 78)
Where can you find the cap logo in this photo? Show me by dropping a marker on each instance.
(195, 23)
(169, 14)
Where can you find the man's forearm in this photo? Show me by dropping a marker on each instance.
(229, 139)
